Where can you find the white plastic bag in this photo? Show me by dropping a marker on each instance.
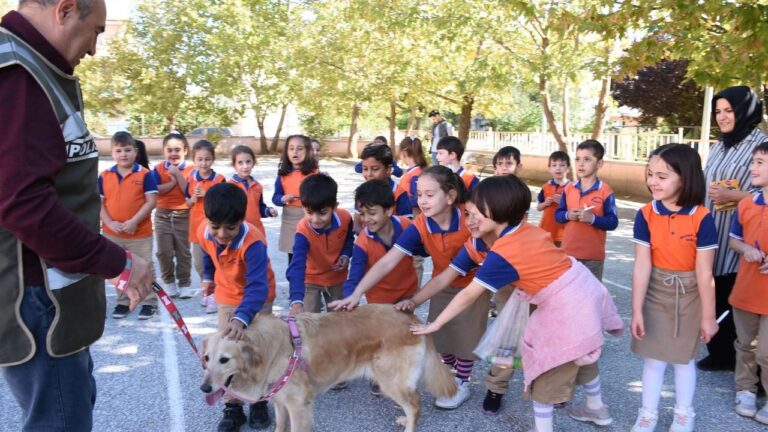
(500, 345)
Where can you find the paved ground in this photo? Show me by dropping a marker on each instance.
(148, 378)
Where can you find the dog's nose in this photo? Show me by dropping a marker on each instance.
(206, 388)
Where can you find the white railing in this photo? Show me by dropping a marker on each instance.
(619, 147)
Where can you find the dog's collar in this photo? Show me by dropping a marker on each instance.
(294, 361)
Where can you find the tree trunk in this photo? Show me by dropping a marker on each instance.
(353, 133)
(549, 115)
(465, 121)
(262, 133)
(276, 139)
(393, 126)
(601, 108)
(170, 122)
(411, 122)
(566, 108)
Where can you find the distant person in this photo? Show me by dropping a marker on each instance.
(49, 215)
(141, 154)
(440, 130)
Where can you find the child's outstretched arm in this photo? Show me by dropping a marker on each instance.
(382, 267)
(255, 292)
(296, 272)
(461, 302)
(434, 286)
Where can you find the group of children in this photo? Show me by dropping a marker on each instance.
(480, 243)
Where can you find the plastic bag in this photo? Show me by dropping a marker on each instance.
(500, 345)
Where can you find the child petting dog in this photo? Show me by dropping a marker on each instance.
(235, 263)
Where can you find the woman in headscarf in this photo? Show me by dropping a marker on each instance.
(737, 110)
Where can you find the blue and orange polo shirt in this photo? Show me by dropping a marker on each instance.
(241, 270)
(750, 225)
(581, 240)
(408, 183)
(402, 202)
(197, 213)
(122, 197)
(315, 252)
(548, 222)
(289, 185)
(471, 256)
(674, 236)
(369, 248)
(173, 199)
(525, 256)
(256, 208)
(469, 179)
(441, 245)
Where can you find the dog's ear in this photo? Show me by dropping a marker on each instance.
(249, 354)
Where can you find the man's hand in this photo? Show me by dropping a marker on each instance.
(139, 285)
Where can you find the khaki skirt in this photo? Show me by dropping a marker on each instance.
(289, 220)
(672, 317)
(460, 335)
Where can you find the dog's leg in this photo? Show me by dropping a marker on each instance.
(281, 417)
(399, 390)
(301, 414)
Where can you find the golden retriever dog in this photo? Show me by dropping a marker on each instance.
(371, 341)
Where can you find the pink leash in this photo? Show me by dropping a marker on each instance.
(274, 388)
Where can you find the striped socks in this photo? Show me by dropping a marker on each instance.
(464, 369)
(593, 394)
(542, 416)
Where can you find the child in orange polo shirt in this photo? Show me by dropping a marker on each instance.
(322, 247)
(199, 181)
(588, 210)
(564, 336)
(412, 155)
(673, 290)
(243, 161)
(296, 164)
(236, 270)
(128, 195)
(551, 195)
(439, 232)
(449, 152)
(377, 163)
(749, 237)
(172, 214)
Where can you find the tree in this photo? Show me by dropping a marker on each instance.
(662, 92)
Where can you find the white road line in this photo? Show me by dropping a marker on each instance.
(175, 401)
(617, 285)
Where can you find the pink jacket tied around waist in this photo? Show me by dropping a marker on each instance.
(572, 314)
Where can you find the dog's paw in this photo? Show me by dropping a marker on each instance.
(401, 421)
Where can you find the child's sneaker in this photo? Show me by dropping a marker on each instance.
(233, 418)
(762, 415)
(204, 300)
(258, 415)
(186, 293)
(683, 420)
(147, 312)
(455, 401)
(120, 311)
(745, 403)
(211, 307)
(172, 290)
(600, 416)
(492, 403)
(646, 420)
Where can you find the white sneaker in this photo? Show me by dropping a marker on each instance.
(453, 402)
(171, 290)
(646, 420)
(762, 415)
(745, 403)
(683, 420)
(186, 293)
(211, 307)
(204, 300)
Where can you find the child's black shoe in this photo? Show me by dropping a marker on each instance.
(258, 416)
(492, 403)
(234, 417)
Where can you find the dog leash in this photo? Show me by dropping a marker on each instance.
(274, 388)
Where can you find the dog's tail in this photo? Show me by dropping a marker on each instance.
(437, 377)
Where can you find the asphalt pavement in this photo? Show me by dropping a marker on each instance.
(148, 377)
